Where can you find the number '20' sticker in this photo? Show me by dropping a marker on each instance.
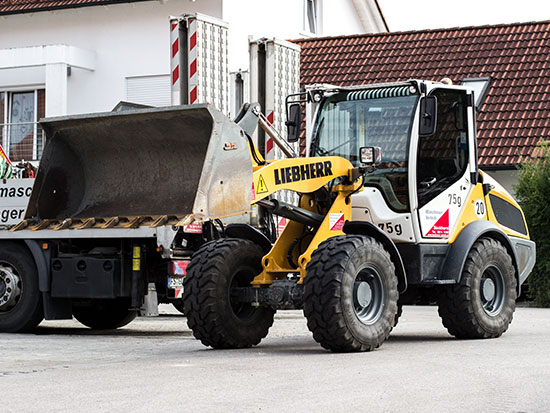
(479, 208)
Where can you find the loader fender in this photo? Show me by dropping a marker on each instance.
(366, 228)
(458, 252)
(245, 231)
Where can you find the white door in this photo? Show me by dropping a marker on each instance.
(443, 171)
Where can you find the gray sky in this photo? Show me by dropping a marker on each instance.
(402, 15)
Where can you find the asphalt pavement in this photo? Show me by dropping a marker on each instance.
(154, 364)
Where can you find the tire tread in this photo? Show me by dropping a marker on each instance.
(200, 296)
(456, 303)
(322, 294)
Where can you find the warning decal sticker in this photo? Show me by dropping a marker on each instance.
(441, 227)
(336, 222)
(262, 187)
(194, 228)
(281, 226)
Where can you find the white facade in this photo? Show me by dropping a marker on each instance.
(88, 59)
(126, 40)
(288, 19)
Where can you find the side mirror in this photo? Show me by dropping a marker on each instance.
(370, 155)
(428, 116)
(294, 121)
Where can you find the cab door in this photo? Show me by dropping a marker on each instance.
(444, 167)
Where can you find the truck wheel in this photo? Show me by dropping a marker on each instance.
(21, 307)
(350, 294)
(217, 319)
(483, 303)
(398, 314)
(104, 314)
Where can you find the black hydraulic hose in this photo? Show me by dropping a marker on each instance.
(358, 188)
(294, 213)
(253, 151)
(222, 228)
(293, 245)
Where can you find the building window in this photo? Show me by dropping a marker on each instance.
(20, 135)
(311, 16)
(480, 86)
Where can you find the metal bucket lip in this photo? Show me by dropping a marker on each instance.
(96, 115)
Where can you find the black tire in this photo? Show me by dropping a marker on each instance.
(104, 314)
(398, 314)
(350, 294)
(467, 309)
(21, 309)
(214, 318)
(178, 305)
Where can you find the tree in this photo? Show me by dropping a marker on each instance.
(533, 192)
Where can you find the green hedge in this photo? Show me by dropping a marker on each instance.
(533, 193)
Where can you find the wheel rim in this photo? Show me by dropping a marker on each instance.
(10, 288)
(492, 290)
(368, 295)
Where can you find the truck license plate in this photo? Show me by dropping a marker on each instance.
(175, 282)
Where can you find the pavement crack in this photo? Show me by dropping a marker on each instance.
(29, 371)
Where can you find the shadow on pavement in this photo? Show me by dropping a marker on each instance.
(127, 332)
(404, 338)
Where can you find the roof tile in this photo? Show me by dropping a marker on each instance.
(516, 111)
(29, 6)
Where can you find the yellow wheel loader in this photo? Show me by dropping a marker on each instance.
(391, 209)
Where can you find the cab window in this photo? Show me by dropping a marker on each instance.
(349, 121)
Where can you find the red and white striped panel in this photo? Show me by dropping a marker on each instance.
(269, 142)
(175, 53)
(281, 226)
(193, 77)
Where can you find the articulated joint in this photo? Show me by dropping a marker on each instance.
(280, 295)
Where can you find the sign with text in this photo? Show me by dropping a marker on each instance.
(14, 196)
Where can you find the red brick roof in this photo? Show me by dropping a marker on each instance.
(516, 112)
(28, 6)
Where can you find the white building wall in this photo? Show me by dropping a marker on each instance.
(130, 39)
(340, 18)
(282, 19)
(133, 40)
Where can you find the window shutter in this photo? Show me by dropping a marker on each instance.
(148, 90)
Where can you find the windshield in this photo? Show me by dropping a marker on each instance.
(346, 124)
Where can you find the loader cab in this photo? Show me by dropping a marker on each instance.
(418, 170)
(379, 117)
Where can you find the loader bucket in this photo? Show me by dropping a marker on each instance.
(175, 161)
